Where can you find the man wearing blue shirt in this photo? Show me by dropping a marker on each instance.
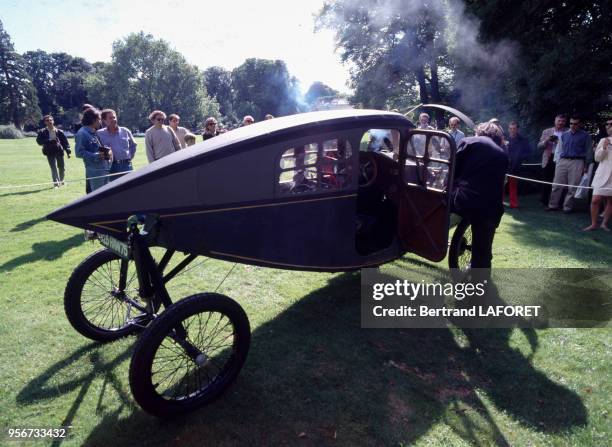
(120, 140)
(576, 154)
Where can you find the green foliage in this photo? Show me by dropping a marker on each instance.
(145, 74)
(264, 86)
(59, 80)
(391, 46)
(10, 132)
(18, 99)
(565, 54)
(218, 83)
(319, 90)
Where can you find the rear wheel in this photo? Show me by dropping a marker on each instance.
(460, 251)
(101, 296)
(189, 355)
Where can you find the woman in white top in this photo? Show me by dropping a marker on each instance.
(602, 182)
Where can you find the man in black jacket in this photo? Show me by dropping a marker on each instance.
(54, 143)
(480, 168)
(518, 150)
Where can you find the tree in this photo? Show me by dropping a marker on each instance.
(391, 46)
(38, 66)
(218, 83)
(565, 51)
(319, 90)
(264, 86)
(18, 100)
(59, 80)
(145, 74)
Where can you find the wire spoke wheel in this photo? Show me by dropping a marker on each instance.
(189, 355)
(101, 295)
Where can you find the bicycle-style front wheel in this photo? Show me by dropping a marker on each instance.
(101, 298)
(189, 355)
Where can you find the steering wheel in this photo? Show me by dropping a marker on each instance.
(368, 169)
(299, 188)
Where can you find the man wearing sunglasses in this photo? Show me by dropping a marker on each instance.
(160, 140)
(575, 156)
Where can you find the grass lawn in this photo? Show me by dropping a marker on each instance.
(313, 376)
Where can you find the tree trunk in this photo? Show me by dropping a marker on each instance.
(435, 94)
(423, 93)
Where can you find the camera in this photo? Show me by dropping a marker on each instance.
(106, 151)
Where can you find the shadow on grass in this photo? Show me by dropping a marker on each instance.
(24, 193)
(554, 230)
(71, 375)
(43, 250)
(28, 224)
(315, 377)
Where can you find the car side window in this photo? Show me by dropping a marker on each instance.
(315, 167)
(383, 141)
(427, 162)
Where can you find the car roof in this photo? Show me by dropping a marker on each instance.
(269, 132)
(281, 128)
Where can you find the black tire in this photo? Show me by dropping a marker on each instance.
(218, 327)
(92, 301)
(460, 250)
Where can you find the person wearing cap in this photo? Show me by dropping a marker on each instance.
(248, 119)
(210, 128)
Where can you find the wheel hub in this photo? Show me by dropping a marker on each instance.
(201, 360)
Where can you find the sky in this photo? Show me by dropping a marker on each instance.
(206, 33)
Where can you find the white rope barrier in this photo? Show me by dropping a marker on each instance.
(550, 183)
(53, 183)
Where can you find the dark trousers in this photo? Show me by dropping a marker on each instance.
(56, 163)
(548, 174)
(483, 232)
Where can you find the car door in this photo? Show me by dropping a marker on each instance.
(425, 185)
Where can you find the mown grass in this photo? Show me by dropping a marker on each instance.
(313, 376)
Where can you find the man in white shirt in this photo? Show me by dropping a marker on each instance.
(550, 145)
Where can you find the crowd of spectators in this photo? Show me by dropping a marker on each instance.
(107, 150)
